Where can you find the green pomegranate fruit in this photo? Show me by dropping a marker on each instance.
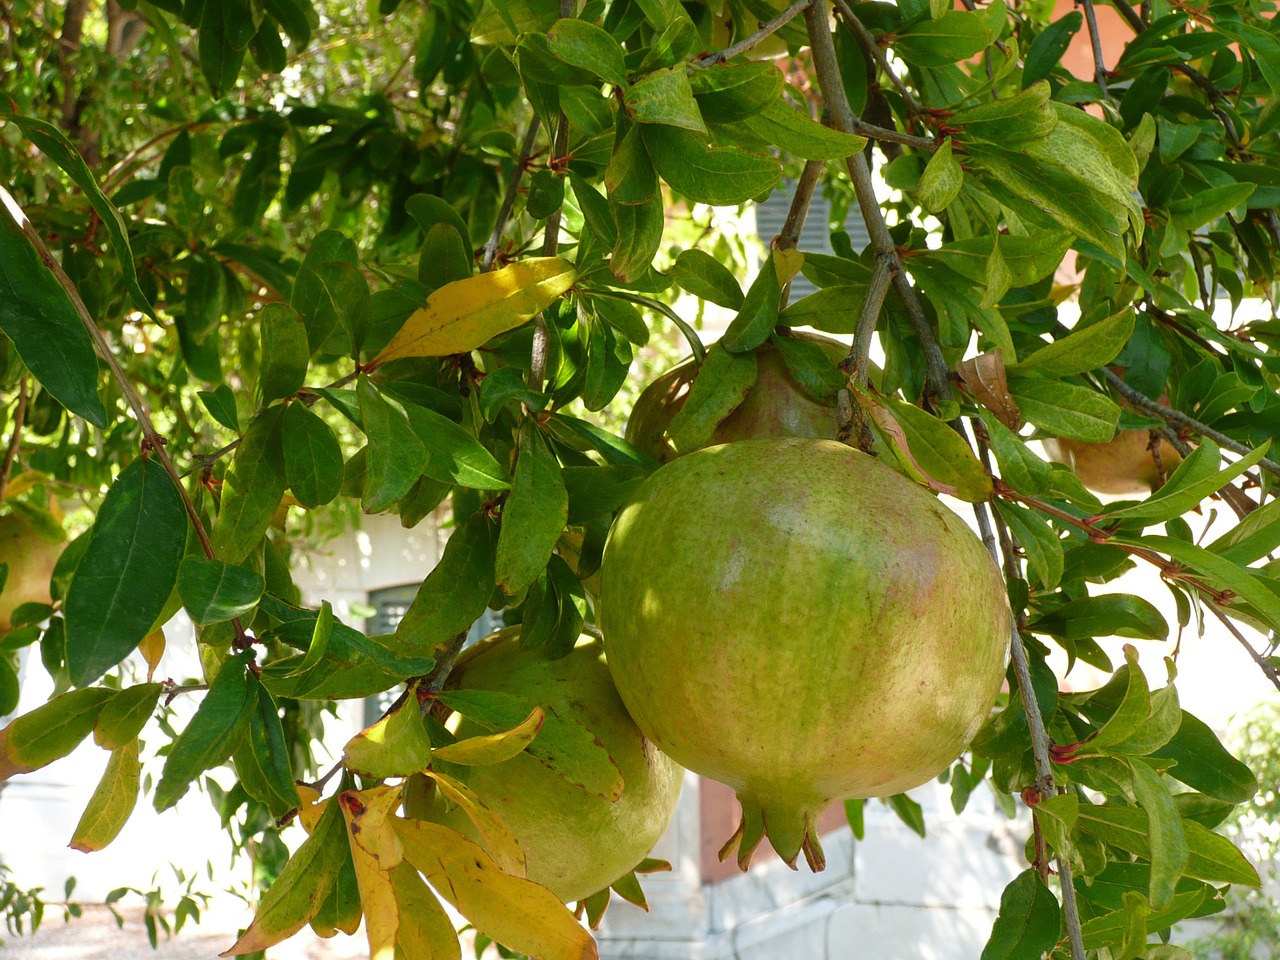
(1122, 466)
(31, 559)
(575, 842)
(797, 620)
(776, 406)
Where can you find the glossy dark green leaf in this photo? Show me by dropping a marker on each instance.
(213, 733)
(54, 144)
(446, 256)
(456, 592)
(534, 514)
(721, 383)
(639, 230)
(213, 591)
(1107, 615)
(630, 177)
(1047, 48)
(1204, 764)
(504, 385)
(909, 812)
(729, 92)
(396, 454)
(9, 687)
(284, 352)
(220, 55)
(127, 572)
(1040, 541)
(707, 278)
(206, 297)
(597, 491)
(1020, 467)
(262, 760)
(312, 457)
(759, 312)
(252, 488)
(1189, 486)
(716, 175)
(221, 404)
(38, 316)
(312, 296)
(453, 454)
(1029, 923)
(1082, 350)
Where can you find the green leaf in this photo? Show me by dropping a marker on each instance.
(221, 404)
(1029, 923)
(718, 176)
(909, 812)
(1168, 839)
(284, 352)
(942, 454)
(707, 278)
(1186, 489)
(1020, 467)
(1134, 708)
(729, 92)
(54, 144)
(38, 316)
(299, 892)
(453, 454)
(809, 365)
(112, 802)
(534, 514)
(664, 97)
(396, 746)
(457, 590)
(759, 314)
(446, 256)
(1039, 540)
(125, 714)
(957, 35)
(1065, 409)
(585, 45)
(639, 228)
(1047, 49)
(1082, 350)
(796, 133)
(833, 309)
(597, 491)
(396, 455)
(51, 731)
(262, 760)
(1207, 205)
(1204, 764)
(127, 572)
(220, 57)
(722, 382)
(212, 735)
(564, 746)
(630, 177)
(1108, 615)
(251, 489)
(312, 457)
(213, 591)
(942, 179)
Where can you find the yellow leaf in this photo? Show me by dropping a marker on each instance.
(466, 314)
(112, 803)
(395, 746)
(24, 482)
(426, 932)
(312, 808)
(493, 747)
(787, 263)
(495, 835)
(518, 913)
(299, 891)
(375, 852)
(152, 649)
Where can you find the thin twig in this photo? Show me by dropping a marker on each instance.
(15, 441)
(767, 29)
(509, 200)
(938, 384)
(446, 657)
(1263, 664)
(869, 45)
(1095, 39)
(873, 132)
(1170, 415)
(801, 198)
(127, 163)
(154, 441)
(868, 315)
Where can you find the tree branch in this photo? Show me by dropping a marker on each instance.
(766, 29)
(801, 198)
(869, 46)
(1262, 662)
(509, 199)
(1095, 40)
(938, 383)
(15, 441)
(1170, 415)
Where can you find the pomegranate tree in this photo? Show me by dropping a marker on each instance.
(797, 620)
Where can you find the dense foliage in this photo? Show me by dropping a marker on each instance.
(265, 265)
